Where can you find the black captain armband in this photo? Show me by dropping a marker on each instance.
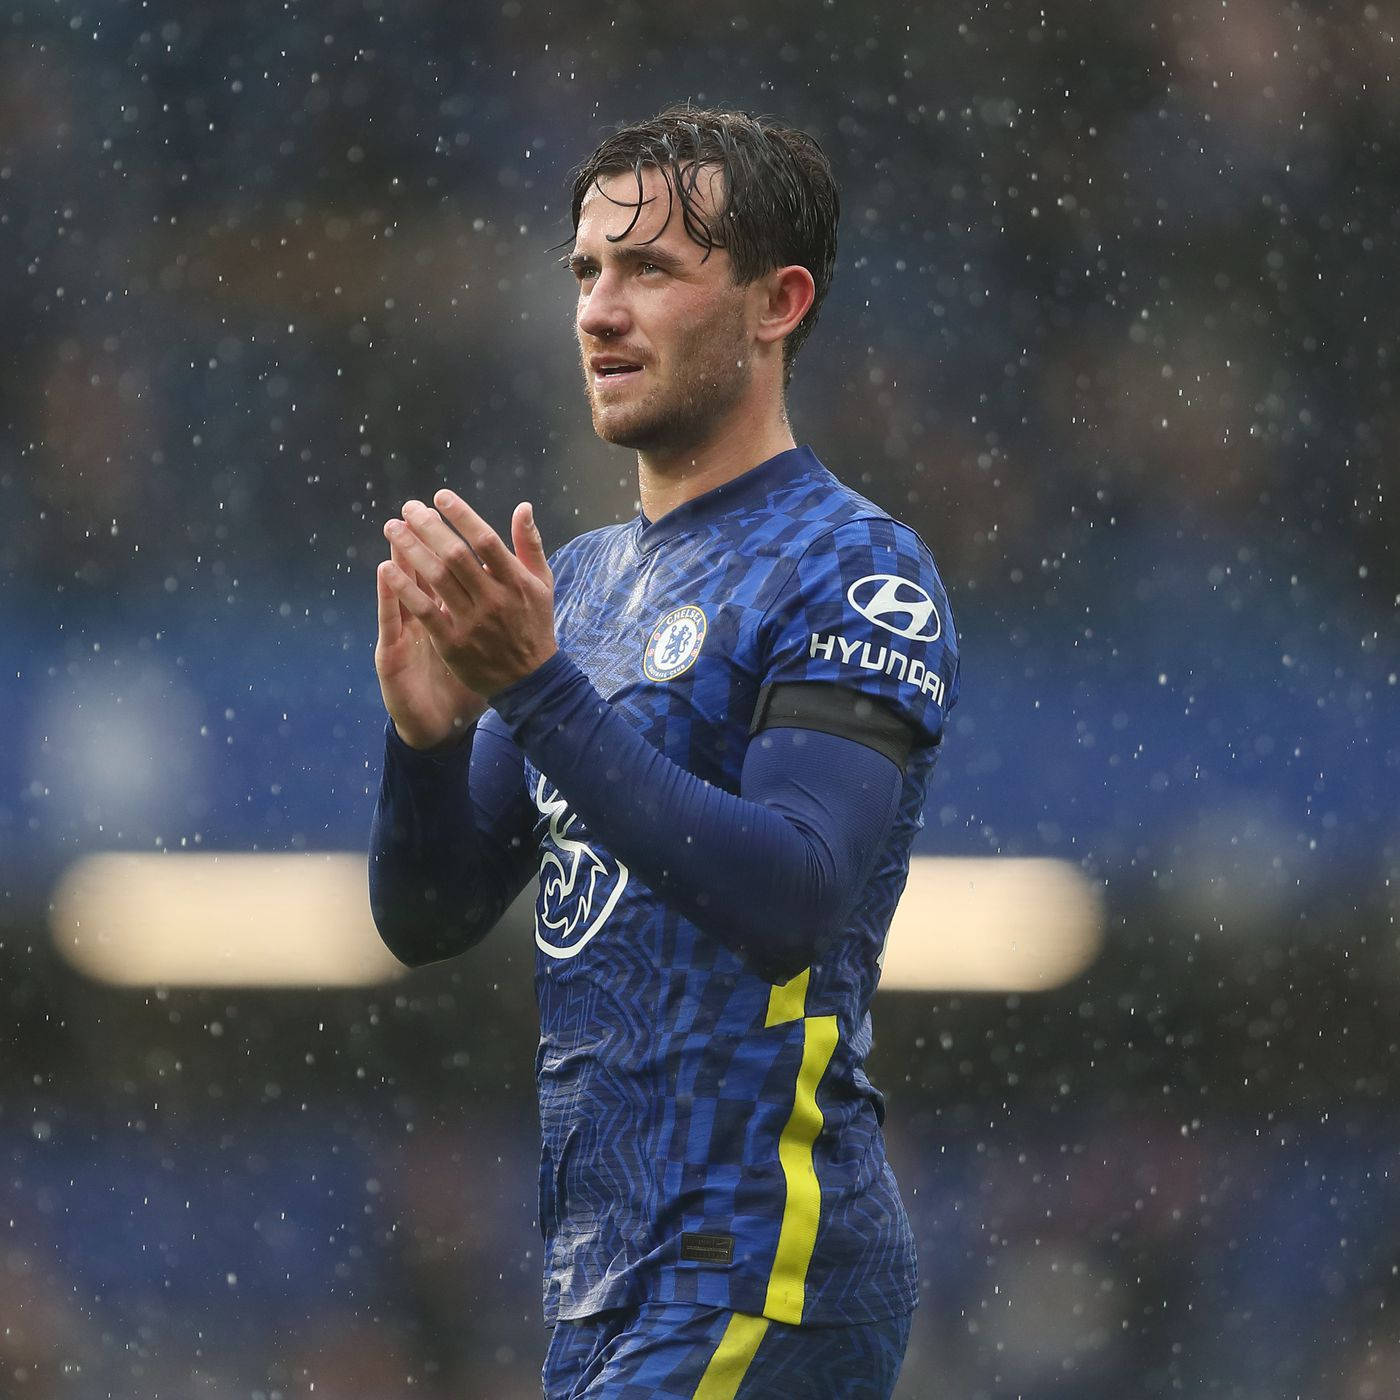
(838, 710)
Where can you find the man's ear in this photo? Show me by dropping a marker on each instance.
(783, 298)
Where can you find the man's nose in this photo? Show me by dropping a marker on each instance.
(603, 312)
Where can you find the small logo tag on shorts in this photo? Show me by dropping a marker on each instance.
(707, 1249)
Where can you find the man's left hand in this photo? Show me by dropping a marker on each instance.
(492, 620)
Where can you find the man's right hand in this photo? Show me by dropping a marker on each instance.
(430, 707)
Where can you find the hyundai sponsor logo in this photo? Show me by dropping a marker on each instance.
(896, 605)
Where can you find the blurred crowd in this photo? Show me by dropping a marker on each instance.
(1106, 274)
(1110, 327)
(1087, 1260)
(1118, 1189)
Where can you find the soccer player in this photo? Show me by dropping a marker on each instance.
(709, 732)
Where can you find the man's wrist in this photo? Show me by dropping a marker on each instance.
(521, 682)
(555, 698)
(457, 740)
(518, 699)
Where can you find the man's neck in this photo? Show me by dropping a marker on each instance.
(668, 480)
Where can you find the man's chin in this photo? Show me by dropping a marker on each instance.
(627, 429)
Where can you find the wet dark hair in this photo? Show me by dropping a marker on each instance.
(780, 203)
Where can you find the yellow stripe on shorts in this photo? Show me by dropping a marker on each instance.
(732, 1358)
(797, 1235)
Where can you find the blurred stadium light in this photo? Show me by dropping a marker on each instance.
(280, 920)
(992, 924)
(233, 919)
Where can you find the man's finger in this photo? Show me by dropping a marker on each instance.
(529, 547)
(455, 552)
(434, 576)
(397, 554)
(390, 618)
(485, 543)
(427, 610)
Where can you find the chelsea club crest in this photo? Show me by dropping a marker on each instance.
(674, 644)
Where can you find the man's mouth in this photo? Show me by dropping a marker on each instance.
(612, 368)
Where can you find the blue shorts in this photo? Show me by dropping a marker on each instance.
(675, 1351)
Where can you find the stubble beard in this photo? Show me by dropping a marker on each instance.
(710, 374)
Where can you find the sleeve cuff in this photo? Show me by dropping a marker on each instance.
(427, 759)
(517, 704)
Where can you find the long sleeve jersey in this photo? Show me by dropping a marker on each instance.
(705, 960)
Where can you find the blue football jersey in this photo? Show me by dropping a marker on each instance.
(710, 1138)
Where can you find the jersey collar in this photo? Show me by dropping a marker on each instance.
(740, 493)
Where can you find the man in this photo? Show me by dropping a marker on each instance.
(709, 732)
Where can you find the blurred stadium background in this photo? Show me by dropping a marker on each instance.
(1113, 326)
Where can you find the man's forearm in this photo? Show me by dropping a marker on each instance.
(446, 854)
(770, 873)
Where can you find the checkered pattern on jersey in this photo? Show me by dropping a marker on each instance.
(664, 1352)
(662, 1093)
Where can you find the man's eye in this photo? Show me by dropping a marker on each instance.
(649, 267)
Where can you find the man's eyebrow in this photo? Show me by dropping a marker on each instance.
(634, 253)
